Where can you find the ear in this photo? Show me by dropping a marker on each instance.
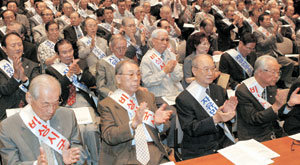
(118, 79)
(28, 98)
(194, 71)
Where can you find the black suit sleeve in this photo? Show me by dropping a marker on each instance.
(188, 120)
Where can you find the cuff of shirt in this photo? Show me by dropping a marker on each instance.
(286, 110)
(35, 162)
(160, 127)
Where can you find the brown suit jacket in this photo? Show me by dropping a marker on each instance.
(116, 135)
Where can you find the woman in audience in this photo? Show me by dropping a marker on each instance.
(196, 44)
(46, 53)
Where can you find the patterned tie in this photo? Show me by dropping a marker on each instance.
(72, 95)
(49, 154)
(141, 146)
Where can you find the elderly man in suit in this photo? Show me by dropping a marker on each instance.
(105, 75)
(239, 62)
(202, 110)
(130, 133)
(260, 102)
(92, 47)
(16, 74)
(58, 141)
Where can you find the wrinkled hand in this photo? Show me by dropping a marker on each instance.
(295, 97)
(139, 115)
(230, 105)
(70, 155)
(170, 66)
(42, 159)
(280, 99)
(162, 115)
(221, 116)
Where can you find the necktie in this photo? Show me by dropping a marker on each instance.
(72, 95)
(48, 152)
(207, 91)
(263, 94)
(141, 146)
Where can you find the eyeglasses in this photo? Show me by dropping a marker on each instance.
(206, 70)
(45, 105)
(163, 39)
(120, 48)
(132, 74)
(275, 73)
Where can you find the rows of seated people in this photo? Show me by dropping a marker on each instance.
(182, 50)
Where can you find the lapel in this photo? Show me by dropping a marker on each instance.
(25, 64)
(120, 112)
(30, 139)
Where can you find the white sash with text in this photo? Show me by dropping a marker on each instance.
(42, 130)
(241, 61)
(131, 105)
(208, 105)
(252, 84)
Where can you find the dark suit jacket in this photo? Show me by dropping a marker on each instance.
(253, 121)
(18, 145)
(30, 51)
(224, 40)
(10, 93)
(230, 66)
(200, 135)
(292, 119)
(70, 35)
(86, 78)
(116, 146)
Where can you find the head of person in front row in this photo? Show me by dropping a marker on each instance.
(267, 71)
(203, 68)
(43, 97)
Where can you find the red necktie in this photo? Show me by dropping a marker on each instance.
(72, 95)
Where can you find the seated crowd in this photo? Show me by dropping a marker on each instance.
(150, 72)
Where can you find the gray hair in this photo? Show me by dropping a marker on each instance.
(194, 59)
(119, 66)
(261, 62)
(136, 9)
(46, 81)
(125, 20)
(155, 33)
(115, 38)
